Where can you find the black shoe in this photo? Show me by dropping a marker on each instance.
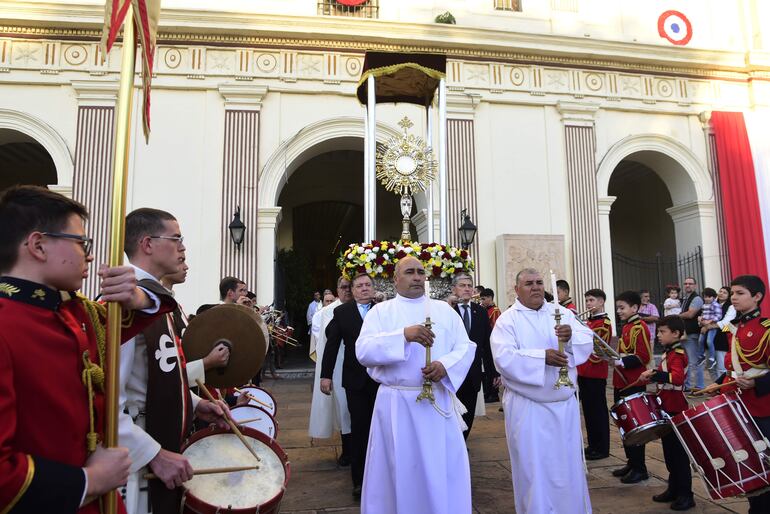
(666, 496)
(492, 399)
(343, 461)
(357, 492)
(683, 503)
(594, 455)
(634, 477)
(621, 472)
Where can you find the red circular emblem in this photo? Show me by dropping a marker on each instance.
(351, 3)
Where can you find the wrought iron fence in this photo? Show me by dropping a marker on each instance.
(635, 274)
(508, 5)
(366, 9)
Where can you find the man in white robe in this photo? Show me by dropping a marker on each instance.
(329, 413)
(416, 460)
(542, 423)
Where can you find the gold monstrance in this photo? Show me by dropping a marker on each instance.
(405, 165)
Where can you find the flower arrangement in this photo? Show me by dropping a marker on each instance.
(378, 259)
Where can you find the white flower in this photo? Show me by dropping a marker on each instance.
(376, 249)
(350, 256)
(440, 253)
(367, 251)
(391, 251)
(408, 249)
(458, 264)
(452, 254)
(378, 269)
(443, 274)
(360, 249)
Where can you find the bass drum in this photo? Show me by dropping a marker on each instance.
(256, 491)
(256, 418)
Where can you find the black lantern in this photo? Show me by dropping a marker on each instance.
(237, 228)
(467, 230)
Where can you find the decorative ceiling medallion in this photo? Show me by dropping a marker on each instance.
(405, 165)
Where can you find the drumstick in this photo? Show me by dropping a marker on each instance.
(632, 384)
(252, 397)
(714, 390)
(244, 421)
(230, 422)
(208, 471)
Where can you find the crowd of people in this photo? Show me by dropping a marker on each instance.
(400, 379)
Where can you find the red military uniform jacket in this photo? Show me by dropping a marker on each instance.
(569, 304)
(752, 345)
(635, 350)
(595, 366)
(670, 376)
(493, 312)
(47, 339)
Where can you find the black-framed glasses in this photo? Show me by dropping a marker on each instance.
(179, 239)
(87, 242)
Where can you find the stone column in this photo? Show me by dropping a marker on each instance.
(92, 181)
(584, 239)
(240, 179)
(695, 224)
(604, 206)
(267, 225)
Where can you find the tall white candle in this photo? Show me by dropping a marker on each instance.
(553, 289)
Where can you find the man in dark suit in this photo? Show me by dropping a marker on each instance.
(477, 325)
(360, 389)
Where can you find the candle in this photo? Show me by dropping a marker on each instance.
(554, 289)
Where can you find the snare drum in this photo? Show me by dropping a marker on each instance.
(260, 398)
(242, 492)
(256, 418)
(640, 418)
(725, 446)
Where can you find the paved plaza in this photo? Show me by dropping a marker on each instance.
(318, 485)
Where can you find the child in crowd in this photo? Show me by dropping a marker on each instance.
(669, 378)
(711, 313)
(673, 305)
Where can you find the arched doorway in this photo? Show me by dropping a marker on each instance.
(23, 160)
(656, 196)
(322, 207)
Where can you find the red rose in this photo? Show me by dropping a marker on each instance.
(436, 271)
(379, 260)
(424, 245)
(424, 256)
(375, 242)
(400, 254)
(361, 269)
(464, 254)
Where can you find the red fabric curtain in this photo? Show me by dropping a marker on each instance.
(740, 200)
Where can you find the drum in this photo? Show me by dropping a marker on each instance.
(259, 398)
(725, 446)
(640, 418)
(242, 492)
(256, 418)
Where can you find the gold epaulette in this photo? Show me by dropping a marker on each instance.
(679, 350)
(608, 322)
(765, 323)
(726, 328)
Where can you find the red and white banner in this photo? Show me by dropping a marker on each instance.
(744, 177)
(146, 16)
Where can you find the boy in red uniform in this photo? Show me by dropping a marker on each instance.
(51, 348)
(562, 291)
(750, 347)
(669, 378)
(636, 353)
(592, 381)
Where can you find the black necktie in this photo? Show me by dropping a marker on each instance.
(467, 318)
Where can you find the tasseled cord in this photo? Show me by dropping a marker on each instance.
(93, 377)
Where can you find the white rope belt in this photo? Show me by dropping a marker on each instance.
(750, 373)
(670, 387)
(458, 409)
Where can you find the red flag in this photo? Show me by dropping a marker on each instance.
(146, 16)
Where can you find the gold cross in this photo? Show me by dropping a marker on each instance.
(405, 124)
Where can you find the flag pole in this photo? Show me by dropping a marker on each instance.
(117, 231)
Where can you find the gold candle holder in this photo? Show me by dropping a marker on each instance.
(427, 385)
(563, 380)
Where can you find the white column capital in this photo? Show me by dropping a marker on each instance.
(705, 120)
(243, 97)
(605, 204)
(462, 106)
(96, 93)
(692, 210)
(268, 217)
(577, 114)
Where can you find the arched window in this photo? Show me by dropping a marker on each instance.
(351, 8)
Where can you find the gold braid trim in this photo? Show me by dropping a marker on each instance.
(387, 70)
(97, 313)
(93, 375)
(24, 486)
(753, 357)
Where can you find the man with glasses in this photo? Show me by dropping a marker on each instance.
(52, 346)
(692, 304)
(157, 407)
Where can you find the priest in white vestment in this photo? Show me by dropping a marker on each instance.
(329, 413)
(416, 460)
(542, 423)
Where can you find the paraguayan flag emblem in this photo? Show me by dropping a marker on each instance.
(675, 27)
